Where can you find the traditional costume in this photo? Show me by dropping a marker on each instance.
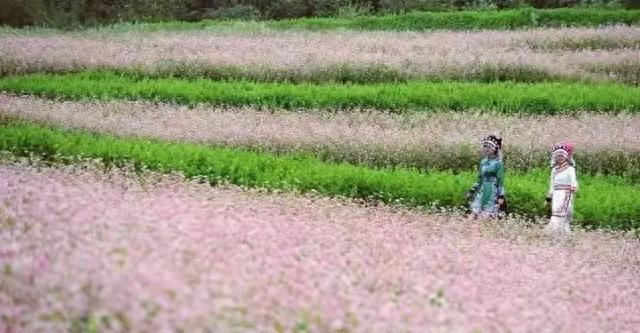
(562, 188)
(489, 187)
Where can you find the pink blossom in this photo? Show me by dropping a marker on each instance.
(155, 253)
(417, 55)
(366, 132)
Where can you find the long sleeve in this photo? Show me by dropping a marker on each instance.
(476, 185)
(550, 193)
(574, 179)
(500, 179)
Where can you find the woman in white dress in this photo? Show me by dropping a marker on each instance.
(562, 188)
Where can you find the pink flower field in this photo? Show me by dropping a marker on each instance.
(82, 250)
(356, 130)
(570, 53)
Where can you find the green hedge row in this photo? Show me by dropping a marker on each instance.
(420, 21)
(507, 97)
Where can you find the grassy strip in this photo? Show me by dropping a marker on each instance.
(507, 97)
(602, 201)
(471, 20)
(419, 21)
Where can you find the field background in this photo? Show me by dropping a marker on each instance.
(299, 166)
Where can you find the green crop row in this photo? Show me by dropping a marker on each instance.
(419, 21)
(603, 201)
(507, 97)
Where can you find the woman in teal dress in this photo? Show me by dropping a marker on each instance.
(487, 195)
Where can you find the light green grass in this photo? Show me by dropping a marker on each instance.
(506, 97)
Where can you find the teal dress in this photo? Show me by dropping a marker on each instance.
(489, 187)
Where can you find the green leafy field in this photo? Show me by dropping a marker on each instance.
(507, 97)
(418, 21)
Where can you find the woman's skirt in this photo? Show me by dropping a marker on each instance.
(484, 201)
(561, 209)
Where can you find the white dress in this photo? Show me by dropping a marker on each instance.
(562, 189)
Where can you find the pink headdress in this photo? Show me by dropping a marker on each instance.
(563, 149)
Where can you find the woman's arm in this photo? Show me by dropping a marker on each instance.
(574, 179)
(550, 192)
(500, 179)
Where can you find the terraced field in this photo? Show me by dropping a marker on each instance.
(308, 175)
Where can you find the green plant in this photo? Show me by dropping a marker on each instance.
(507, 97)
